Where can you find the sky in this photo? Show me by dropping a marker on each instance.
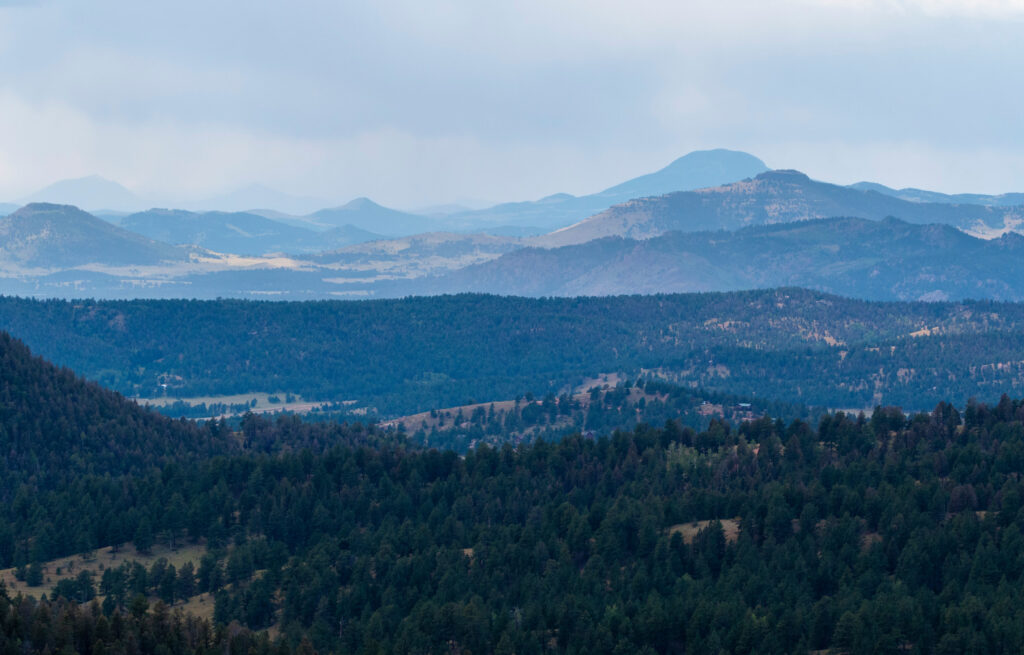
(417, 103)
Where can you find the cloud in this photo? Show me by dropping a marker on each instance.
(969, 8)
(169, 161)
(413, 101)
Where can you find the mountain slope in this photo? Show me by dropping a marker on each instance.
(239, 232)
(772, 197)
(884, 260)
(695, 170)
(41, 235)
(56, 426)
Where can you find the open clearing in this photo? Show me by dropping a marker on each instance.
(65, 568)
(262, 400)
(690, 530)
(263, 405)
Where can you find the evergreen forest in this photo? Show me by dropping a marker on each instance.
(395, 357)
(835, 533)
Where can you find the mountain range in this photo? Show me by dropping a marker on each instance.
(876, 260)
(696, 170)
(920, 195)
(99, 194)
(692, 171)
(365, 214)
(773, 197)
(775, 228)
(240, 233)
(48, 236)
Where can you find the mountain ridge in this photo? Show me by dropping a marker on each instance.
(912, 194)
(889, 259)
(240, 233)
(48, 236)
(693, 170)
(776, 196)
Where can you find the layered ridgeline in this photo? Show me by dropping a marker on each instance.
(60, 251)
(877, 260)
(416, 354)
(240, 233)
(46, 237)
(696, 170)
(365, 214)
(921, 195)
(773, 197)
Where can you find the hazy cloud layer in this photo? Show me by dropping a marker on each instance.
(415, 103)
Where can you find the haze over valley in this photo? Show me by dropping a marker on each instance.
(691, 226)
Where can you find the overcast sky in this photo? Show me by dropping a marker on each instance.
(422, 102)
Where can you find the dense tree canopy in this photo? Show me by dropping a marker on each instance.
(416, 354)
(892, 533)
(863, 535)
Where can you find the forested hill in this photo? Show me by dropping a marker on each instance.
(892, 534)
(64, 439)
(56, 427)
(888, 534)
(416, 354)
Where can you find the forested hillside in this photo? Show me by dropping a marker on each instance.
(416, 354)
(598, 411)
(887, 534)
(62, 626)
(64, 439)
(55, 427)
(892, 533)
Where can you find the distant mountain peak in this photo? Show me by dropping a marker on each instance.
(695, 170)
(90, 192)
(362, 202)
(369, 216)
(713, 156)
(557, 197)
